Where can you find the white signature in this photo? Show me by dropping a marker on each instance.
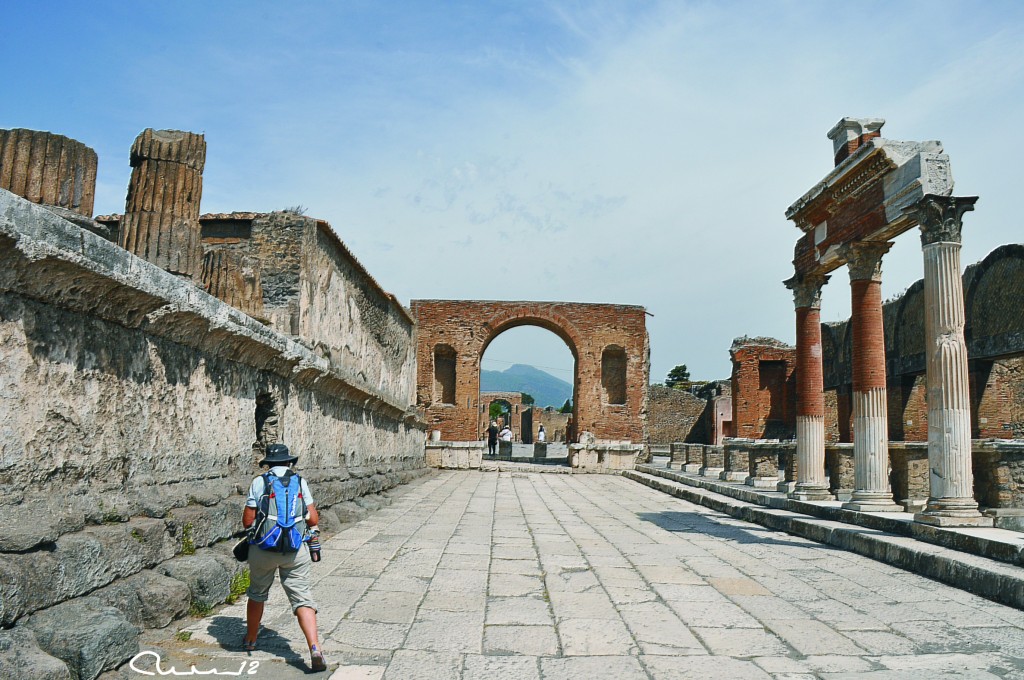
(157, 670)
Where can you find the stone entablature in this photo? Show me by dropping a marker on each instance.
(865, 197)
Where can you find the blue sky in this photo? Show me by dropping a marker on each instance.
(627, 152)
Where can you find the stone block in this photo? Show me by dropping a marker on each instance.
(839, 466)
(909, 477)
(207, 580)
(735, 463)
(147, 599)
(540, 450)
(85, 634)
(21, 657)
(504, 450)
(712, 461)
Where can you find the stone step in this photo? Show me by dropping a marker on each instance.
(974, 572)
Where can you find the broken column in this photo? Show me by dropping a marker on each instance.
(811, 484)
(161, 215)
(48, 169)
(951, 482)
(872, 492)
(234, 277)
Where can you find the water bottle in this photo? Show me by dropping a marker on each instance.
(314, 544)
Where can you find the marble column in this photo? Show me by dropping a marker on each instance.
(872, 492)
(951, 481)
(811, 484)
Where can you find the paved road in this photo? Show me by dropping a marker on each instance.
(523, 575)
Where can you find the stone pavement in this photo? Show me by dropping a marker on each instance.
(525, 575)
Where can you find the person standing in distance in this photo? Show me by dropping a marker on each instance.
(541, 435)
(293, 565)
(492, 438)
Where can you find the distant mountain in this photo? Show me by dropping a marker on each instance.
(546, 389)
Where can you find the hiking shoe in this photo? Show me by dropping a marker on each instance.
(248, 646)
(316, 659)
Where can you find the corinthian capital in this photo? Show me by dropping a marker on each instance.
(864, 258)
(807, 289)
(941, 217)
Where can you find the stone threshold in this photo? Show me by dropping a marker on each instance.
(983, 561)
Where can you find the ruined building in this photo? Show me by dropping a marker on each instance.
(145, 362)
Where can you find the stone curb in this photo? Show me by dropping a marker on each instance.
(1002, 583)
(968, 540)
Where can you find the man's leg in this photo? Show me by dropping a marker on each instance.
(307, 622)
(253, 616)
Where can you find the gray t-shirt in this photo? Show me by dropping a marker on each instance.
(256, 488)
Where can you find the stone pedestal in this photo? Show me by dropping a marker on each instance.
(999, 476)
(677, 454)
(735, 461)
(909, 474)
(48, 169)
(788, 463)
(694, 458)
(951, 497)
(504, 450)
(540, 450)
(839, 464)
(161, 214)
(712, 461)
(763, 466)
(870, 411)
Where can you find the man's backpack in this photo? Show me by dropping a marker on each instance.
(280, 514)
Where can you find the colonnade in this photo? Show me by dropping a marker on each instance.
(951, 495)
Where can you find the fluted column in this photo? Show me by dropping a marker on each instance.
(50, 169)
(811, 484)
(161, 214)
(872, 492)
(951, 482)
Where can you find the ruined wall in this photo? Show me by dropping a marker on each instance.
(763, 389)
(556, 424)
(675, 416)
(609, 344)
(128, 402)
(515, 418)
(994, 301)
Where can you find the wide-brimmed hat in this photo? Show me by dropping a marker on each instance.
(277, 454)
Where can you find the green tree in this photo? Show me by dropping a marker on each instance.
(527, 399)
(566, 407)
(496, 409)
(679, 374)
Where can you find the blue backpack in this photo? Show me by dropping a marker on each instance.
(280, 514)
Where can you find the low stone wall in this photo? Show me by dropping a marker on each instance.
(455, 455)
(601, 457)
(129, 405)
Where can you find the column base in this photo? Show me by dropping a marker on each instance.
(693, 468)
(710, 471)
(732, 476)
(953, 512)
(872, 501)
(785, 487)
(808, 492)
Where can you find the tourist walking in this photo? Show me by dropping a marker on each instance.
(541, 436)
(281, 518)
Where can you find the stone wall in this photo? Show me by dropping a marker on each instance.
(608, 342)
(675, 416)
(128, 412)
(994, 332)
(556, 424)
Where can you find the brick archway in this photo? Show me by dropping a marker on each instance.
(608, 342)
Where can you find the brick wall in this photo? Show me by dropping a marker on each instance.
(598, 335)
(763, 389)
(994, 301)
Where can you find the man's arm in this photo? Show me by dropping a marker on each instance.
(314, 516)
(248, 516)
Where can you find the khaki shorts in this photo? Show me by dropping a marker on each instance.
(295, 577)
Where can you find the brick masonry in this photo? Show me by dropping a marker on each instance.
(763, 388)
(994, 295)
(676, 416)
(609, 343)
